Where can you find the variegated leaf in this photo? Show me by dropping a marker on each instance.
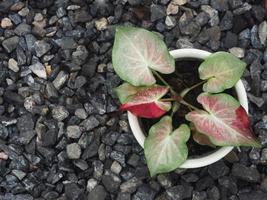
(136, 51)
(165, 149)
(225, 121)
(145, 102)
(222, 70)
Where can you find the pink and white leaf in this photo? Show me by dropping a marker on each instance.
(146, 102)
(136, 52)
(225, 121)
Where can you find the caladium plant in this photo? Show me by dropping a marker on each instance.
(139, 57)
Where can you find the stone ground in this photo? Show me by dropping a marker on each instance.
(59, 135)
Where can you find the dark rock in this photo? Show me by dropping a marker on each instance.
(230, 40)
(66, 43)
(60, 79)
(98, 193)
(78, 82)
(199, 195)
(255, 71)
(133, 160)
(41, 4)
(190, 178)
(175, 193)
(74, 132)
(3, 132)
(241, 10)
(214, 35)
(157, 12)
(255, 195)
(235, 3)
(258, 101)
(73, 192)
(73, 151)
(90, 123)
(81, 164)
(51, 91)
(10, 44)
(227, 21)
(220, 5)
(144, 192)
(50, 195)
(258, 12)
(218, 170)
(48, 138)
(30, 41)
(60, 113)
(202, 19)
(13, 98)
(123, 196)
(89, 68)
(255, 40)
(41, 47)
(25, 123)
(251, 175)
(22, 29)
(81, 113)
(110, 138)
(134, 2)
(118, 156)
(214, 18)
(82, 15)
(130, 185)
(111, 182)
(184, 43)
(204, 183)
(19, 163)
(164, 181)
(38, 69)
(15, 18)
(214, 193)
(79, 56)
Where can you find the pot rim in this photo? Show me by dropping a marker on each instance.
(208, 159)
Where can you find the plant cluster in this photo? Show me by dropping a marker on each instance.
(139, 57)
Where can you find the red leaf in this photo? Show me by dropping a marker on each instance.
(147, 110)
(145, 102)
(243, 120)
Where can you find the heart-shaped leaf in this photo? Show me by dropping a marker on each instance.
(225, 121)
(222, 70)
(125, 90)
(136, 51)
(145, 102)
(165, 149)
(200, 138)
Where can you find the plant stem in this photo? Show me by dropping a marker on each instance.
(167, 99)
(188, 105)
(163, 81)
(185, 91)
(196, 85)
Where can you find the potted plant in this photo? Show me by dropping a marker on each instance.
(142, 60)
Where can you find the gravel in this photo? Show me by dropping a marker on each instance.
(60, 135)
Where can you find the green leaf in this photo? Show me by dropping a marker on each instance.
(136, 52)
(165, 149)
(125, 90)
(222, 70)
(225, 121)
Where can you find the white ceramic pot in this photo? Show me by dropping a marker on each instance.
(206, 159)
